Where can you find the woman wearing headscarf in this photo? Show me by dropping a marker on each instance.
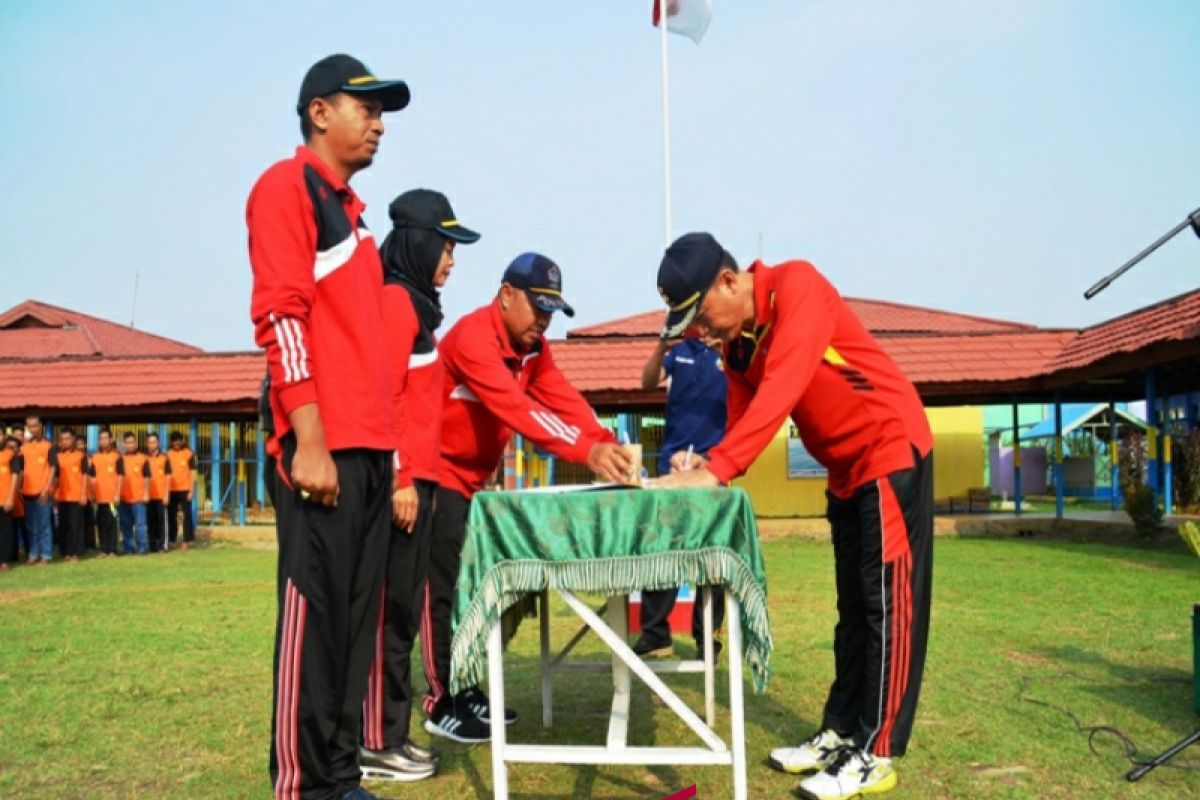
(417, 256)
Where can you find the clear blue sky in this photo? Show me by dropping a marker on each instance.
(987, 157)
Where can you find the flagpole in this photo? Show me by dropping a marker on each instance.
(666, 122)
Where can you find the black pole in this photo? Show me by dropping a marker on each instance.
(1137, 772)
(1193, 220)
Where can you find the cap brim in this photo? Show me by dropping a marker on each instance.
(459, 233)
(551, 303)
(393, 94)
(678, 321)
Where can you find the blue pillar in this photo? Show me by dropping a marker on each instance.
(550, 471)
(260, 462)
(1167, 488)
(1151, 430)
(1059, 472)
(93, 438)
(192, 433)
(1016, 414)
(237, 477)
(214, 492)
(519, 460)
(1114, 455)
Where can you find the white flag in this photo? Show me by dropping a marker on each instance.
(688, 18)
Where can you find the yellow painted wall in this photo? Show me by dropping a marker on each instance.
(957, 466)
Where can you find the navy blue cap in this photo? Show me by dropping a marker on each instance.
(430, 210)
(688, 270)
(542, 278)
(343, 73)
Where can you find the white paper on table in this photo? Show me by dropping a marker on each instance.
(599, 486)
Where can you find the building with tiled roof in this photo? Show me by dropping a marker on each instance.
(33, 329)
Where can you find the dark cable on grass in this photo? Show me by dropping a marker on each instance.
(1127, 743)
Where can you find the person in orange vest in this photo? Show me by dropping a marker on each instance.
(37, 480)
(89, 518)
(107, 471)
(156, 508)
(183, 480)
(71, 494)
(10, 478)
(135, 493)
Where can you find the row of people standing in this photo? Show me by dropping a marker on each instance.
(59, 494)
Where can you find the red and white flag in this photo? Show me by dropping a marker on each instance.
(688, 18)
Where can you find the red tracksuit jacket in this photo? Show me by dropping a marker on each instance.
(316, 303)
(490, 390)
(416, 388)
(809, 356)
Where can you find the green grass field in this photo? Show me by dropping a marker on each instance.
(150, 677)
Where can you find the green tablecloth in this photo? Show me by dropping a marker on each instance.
(605, 542)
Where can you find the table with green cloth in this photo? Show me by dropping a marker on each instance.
(522, 545)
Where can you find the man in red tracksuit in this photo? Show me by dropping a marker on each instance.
(794, 347)
(418, 256)
(499, 378)
(316, 308)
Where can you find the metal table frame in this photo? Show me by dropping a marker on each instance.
(612, 629)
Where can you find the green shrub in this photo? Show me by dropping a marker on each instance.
(1142, 507)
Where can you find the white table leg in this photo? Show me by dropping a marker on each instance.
(639, 668)
(547, 673)
(617, 614)
(710, 662)
(736, 705)
(495, 650)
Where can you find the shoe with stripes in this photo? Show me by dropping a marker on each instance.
(814, 753)
(393, 765)
(852, 772)
(459, 724)
(481, 706)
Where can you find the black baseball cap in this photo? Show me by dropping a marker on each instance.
(429, 210)
(542, 278)
(689, 268)
(343, 73)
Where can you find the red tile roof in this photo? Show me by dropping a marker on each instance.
(39, 330)
(106, 383)
(880, 317)
(1173, 320)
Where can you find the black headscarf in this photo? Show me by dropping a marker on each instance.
(410, 258)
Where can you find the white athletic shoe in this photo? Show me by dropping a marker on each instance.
(852, 772)
(814, 753)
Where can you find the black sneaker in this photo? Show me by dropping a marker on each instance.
(481, 706)
(644, 648)
(393, 765)
(461, 726)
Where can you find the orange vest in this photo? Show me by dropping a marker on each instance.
(6, 476)
(133, 490)
(106, 471)
(181, 468)
(39, 460)
(71, 474)
(160, 471)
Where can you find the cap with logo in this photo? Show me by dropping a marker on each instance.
(343, 73)
(541, 278)
(689, 268)
(429, 210)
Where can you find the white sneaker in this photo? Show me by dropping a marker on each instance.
(852, 772)
(812, 754)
